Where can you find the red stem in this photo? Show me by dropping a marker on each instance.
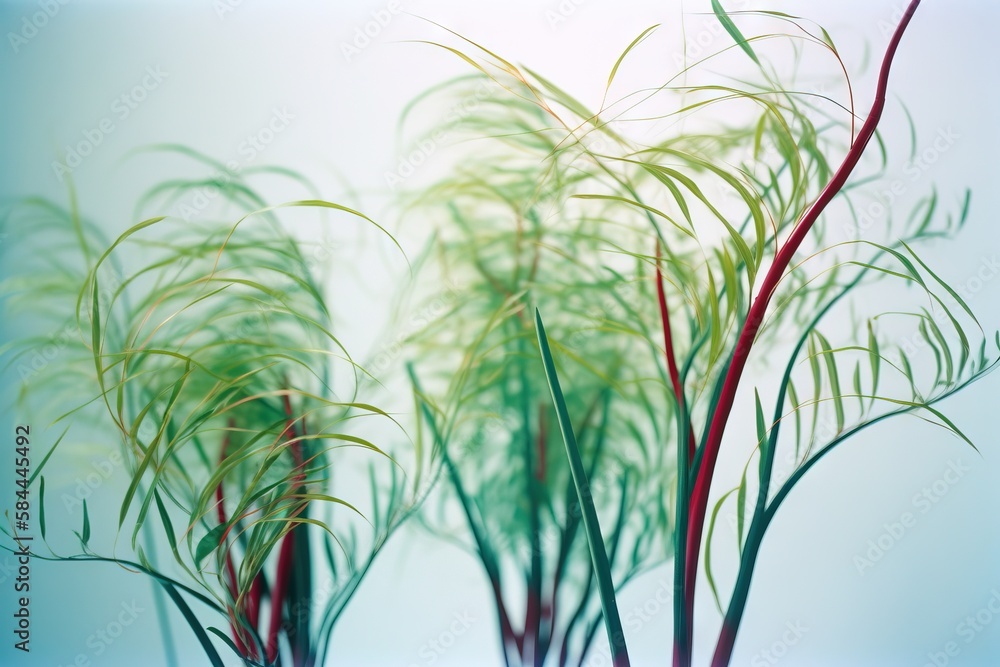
(724, 649)
(278, 594)
(242, 643)
(534, 611)
(668, 341)
(531, 627)
(253, 602)
(286, 553)
(755, 317)
(506, 629)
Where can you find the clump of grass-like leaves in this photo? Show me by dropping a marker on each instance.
(729, 222)
(502, 247)
(604, 284)
(209, 348)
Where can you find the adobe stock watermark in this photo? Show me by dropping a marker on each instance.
(922, 502)
(8, 568)
(248, 150)
(426, 147)
(104, 637)
(432, 650)
(492, 426)
(888, 26)
(418, 321)
(697, 45)
(988, 269)
(611, 306)
(636, 619)
(101, 470)
(32, 24)
(225, 7)
(120, 109)
(968, 288)
(967, 630)
(42, 356)
(559, 13)
(366, 33)
(780, 648)
(914, 170)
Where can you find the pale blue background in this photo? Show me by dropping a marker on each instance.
(225, 75)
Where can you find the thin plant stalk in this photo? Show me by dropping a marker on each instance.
(598, 554)
(681, 649)
(753, 322)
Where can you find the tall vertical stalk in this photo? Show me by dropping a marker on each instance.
(595, 539)
(753, 322)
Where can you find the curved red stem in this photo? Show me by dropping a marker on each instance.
(755, 317)
(245, 646)
(668, 342)
(278, 594)
(287, 550)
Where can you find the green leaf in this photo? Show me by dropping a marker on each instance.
(715, 345)
(762, 439)
(48, 454)
(907, 369)
(147, 459)
(209, 543)
(741, 509)
(793, 398)
(831, 370)
(874, 357)
(41, 505)
(635, 42)
(733, 31)
(595, 540)
(828, 40)
(761, 424)
(946, 286)
(945, 350)
(632, 202)
(85, 534)
(857, 385)
(95, 334)
(226, 640)
(708, 550)
(742, 247)
(165, 518)
(195, 624)
(966, 202)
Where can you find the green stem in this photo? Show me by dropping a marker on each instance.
(532, 617)
(598, 554)
(508, 636)
(755, 318)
